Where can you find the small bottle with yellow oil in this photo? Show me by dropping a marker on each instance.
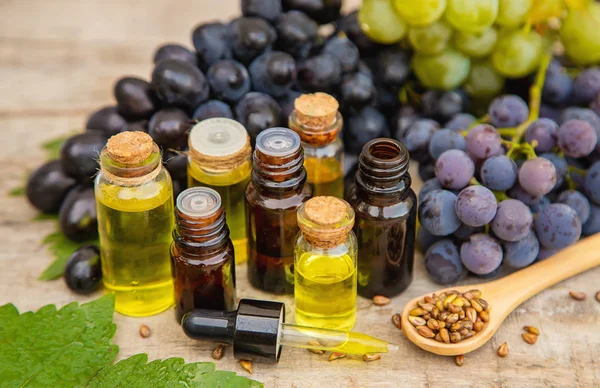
(318, 122)
(134, 196)
(325, 264)
(220, 158)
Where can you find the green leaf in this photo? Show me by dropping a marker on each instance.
(46, 217)
(61, 248)
(53, 146)
(17, 192)
(56, 348)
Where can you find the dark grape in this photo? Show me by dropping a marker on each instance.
(575, 113)
(320, 73)
(465, 231)
(454, 169)
(429, 185)
(483, 141)
(297, 34)
(176, 164)
(344, 50)
(78, 217)
(481, 254)
(402, 120)
(557, 85)
(499, 173)
(273, 73)
(557, 226)
(136, 126)
(257, 111)
(545, 132)
(178, 188)
(357, 90)
(229, 80)
(549, 112)
(592, 183)
(586, 86)
(577, 138)
(437, 214)
(80, 153)
(577, 202)
(106, 120)
(350, 25)
(518, 193)
(537, 176)
(427, 171)
(83, 271)
(287, 102)
(426, 239)
(366, 125)
(269, 10)
(250, 37)
(134, 98)
(460, 122)
(513, 220)
(521, 253)
(539, 205)
(508, 111)
(546, 253)
(592, 224)
(443, 263)
(175, 51)
(444, 140)
(168, 127)
(363, 68)
(418, 136)
(211, 43)
(560, 165)
(322, 11)
(476, 206)
(392, 67)
(212, 108)
(179, 83)
(443, 105)
(48, 186)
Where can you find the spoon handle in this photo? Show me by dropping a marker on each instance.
(529, 281)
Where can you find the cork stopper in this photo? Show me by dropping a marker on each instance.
(317, 110)
(326, 221)
(130, 148)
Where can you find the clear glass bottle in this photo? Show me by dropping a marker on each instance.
(277, 189)
(318, 122)
(220, 158)
(386, 213)
(325, 264)
(202, 254)
(134, 196)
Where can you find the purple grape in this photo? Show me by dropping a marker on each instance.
(426, 239)
(546, 253)
(429, 185)
(443, 263)
(499, 173)
(539, 205)
(586, 86)
(446, 139)
(576, 113)
(508, 111)
(460, 122)
(520, 254)
(476, 206)
(418, 136)
(466, 231)
(592, 183)
(577, 138)
(436, 213)
(454, 169)
(484, 141)
(513, 220)
(577, 202)
(557, 85)
(537, 176)
(518, 193)
(560, 165)
(592, 224)
(549, 112)
(545, 132)
(393, 67)
(403, 120)
(481, 254)
(557, 226)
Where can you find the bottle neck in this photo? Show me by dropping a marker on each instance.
(317, 135)
(200, 235)
(131, 175)
(281, 174)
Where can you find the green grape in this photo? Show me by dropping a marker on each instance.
(512, 13)
(380, 22)
(446, 70)
(517, 53)
(471, 15)
(580, 34)
(483, 80)
(420, 13)
(478, 44)
(430, 39)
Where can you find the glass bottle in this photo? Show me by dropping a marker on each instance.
(220, 158)
(134, 196)
(325, 264)
(385, 208)
(202, 254)
(318, 122)
(277, 189)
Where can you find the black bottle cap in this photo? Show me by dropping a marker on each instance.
(253, 330)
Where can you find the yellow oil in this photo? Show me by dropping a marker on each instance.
(325, 291)
(231, 186)
(136, 226)
(326, 174)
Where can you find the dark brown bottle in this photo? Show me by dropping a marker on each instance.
(386, 209)
(203, 259)
(277, 189)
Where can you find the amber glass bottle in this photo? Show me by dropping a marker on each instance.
(385, 208)
(318, 122)
(220, 158)
(202, 254)
(278, 187)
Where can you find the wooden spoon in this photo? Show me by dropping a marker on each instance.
(506, 294)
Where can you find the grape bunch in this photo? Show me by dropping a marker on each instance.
(512, 187)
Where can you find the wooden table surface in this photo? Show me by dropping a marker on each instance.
(59, 60)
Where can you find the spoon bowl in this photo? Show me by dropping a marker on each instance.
(506, 294)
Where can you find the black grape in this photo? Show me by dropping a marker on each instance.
(344, 50)
(134, 98)
(212, 108)
(48, 186)
(177, 52)
(180, 84)
(106, 120)
(366, 125)
(229, 80)
(273, 73)
(297, 34)
(258, 111)
(266, 9)
(250, 37)
(168, 127)
(211, 43)
(322, 11)
(320, 73)
(80, 154)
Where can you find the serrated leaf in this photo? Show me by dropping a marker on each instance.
(56, 348)
(61, 248)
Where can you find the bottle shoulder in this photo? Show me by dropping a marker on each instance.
(272, 200)
(387, 207)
